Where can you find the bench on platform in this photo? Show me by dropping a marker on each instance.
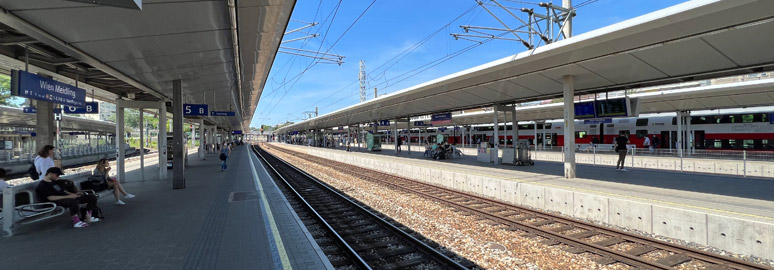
(21, 205)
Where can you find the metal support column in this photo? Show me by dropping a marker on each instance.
(408, 129)
(178, 148)
(679, 145)
(569, 126)
(395, 136)
(202, 140)
(142, 147)
(496, 137)
(514, 130)
(162, 141)
(120, 150)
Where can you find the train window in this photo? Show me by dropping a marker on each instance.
(748, 144)
(642, 122)
(580, 134)
(674, 121)
(765, 118)
(767, 144)
(747, 118)
(642, 133)
(548, 126)
(593, 126)
(699, 120)
(610, 125)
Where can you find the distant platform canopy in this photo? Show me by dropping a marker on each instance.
(695, 40)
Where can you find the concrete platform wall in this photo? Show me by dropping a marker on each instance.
(727, 233)
(731, 167)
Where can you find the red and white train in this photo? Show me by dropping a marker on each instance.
(751, 129)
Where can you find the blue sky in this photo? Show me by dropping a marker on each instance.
(387, 30)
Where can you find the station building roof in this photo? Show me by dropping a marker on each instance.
(221, 50)
(15, 117)
(695, 40)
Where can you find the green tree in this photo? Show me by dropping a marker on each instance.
(5, 92)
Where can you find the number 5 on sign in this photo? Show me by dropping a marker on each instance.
(195, 109)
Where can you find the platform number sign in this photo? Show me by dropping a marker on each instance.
(90, 108)
(195, 109)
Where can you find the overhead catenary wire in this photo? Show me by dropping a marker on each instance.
(332, 45)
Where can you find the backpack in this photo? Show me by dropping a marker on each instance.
(222, 156)
(33, 172)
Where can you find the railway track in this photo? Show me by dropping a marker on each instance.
(608, 246)
(356, 237)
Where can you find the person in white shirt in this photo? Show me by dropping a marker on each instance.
(44, 160)
(647, 144)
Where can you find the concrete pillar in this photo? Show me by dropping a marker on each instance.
(514, 125)
(408, 128)
(569, 126)
(44, 125)
(202, 140)
(120, 150)
(679, 134)
(534, 139)
(395, 136)
(496, 136)
(142, 147)
(178, 148)
(162, 141)
(463, 136)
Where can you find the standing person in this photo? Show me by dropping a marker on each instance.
(620, 147)
(224, 153)
(44, 160)
(49, 191)
(656, 142)
(647, 144)
(3, 185)
(103, 172)
(400, 143)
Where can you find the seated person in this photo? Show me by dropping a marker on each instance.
(103, 171)
(49, 191)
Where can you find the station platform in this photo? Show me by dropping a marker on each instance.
(237, 219)
(729, 212)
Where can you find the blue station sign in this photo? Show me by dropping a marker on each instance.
(90, 108)
(28, 85)
(195, 109)
(419, 123)
(384, 123)
(222, 113)
(236, 132)
(30, 110)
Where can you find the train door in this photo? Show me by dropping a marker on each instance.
(698, 140)
(551, 139)
(665, 140)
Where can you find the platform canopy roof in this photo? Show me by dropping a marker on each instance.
(221, 50)
(755, 93)
(15, 117)
(695, 40)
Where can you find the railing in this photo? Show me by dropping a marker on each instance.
(23, 156)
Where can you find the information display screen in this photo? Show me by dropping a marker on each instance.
(612, 108)
(584, 110)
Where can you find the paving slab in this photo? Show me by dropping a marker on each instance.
(220, 220)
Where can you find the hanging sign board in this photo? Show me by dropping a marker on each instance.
(384, 123)
(584, 110)
(236, 132)
(612, 108)
(30, 110)
(441, 119)
(195, 109)
(90, 108)
(419, 123)
(222, 113)
(28, 85)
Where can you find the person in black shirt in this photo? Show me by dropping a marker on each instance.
(620, 147)
(49, 191)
